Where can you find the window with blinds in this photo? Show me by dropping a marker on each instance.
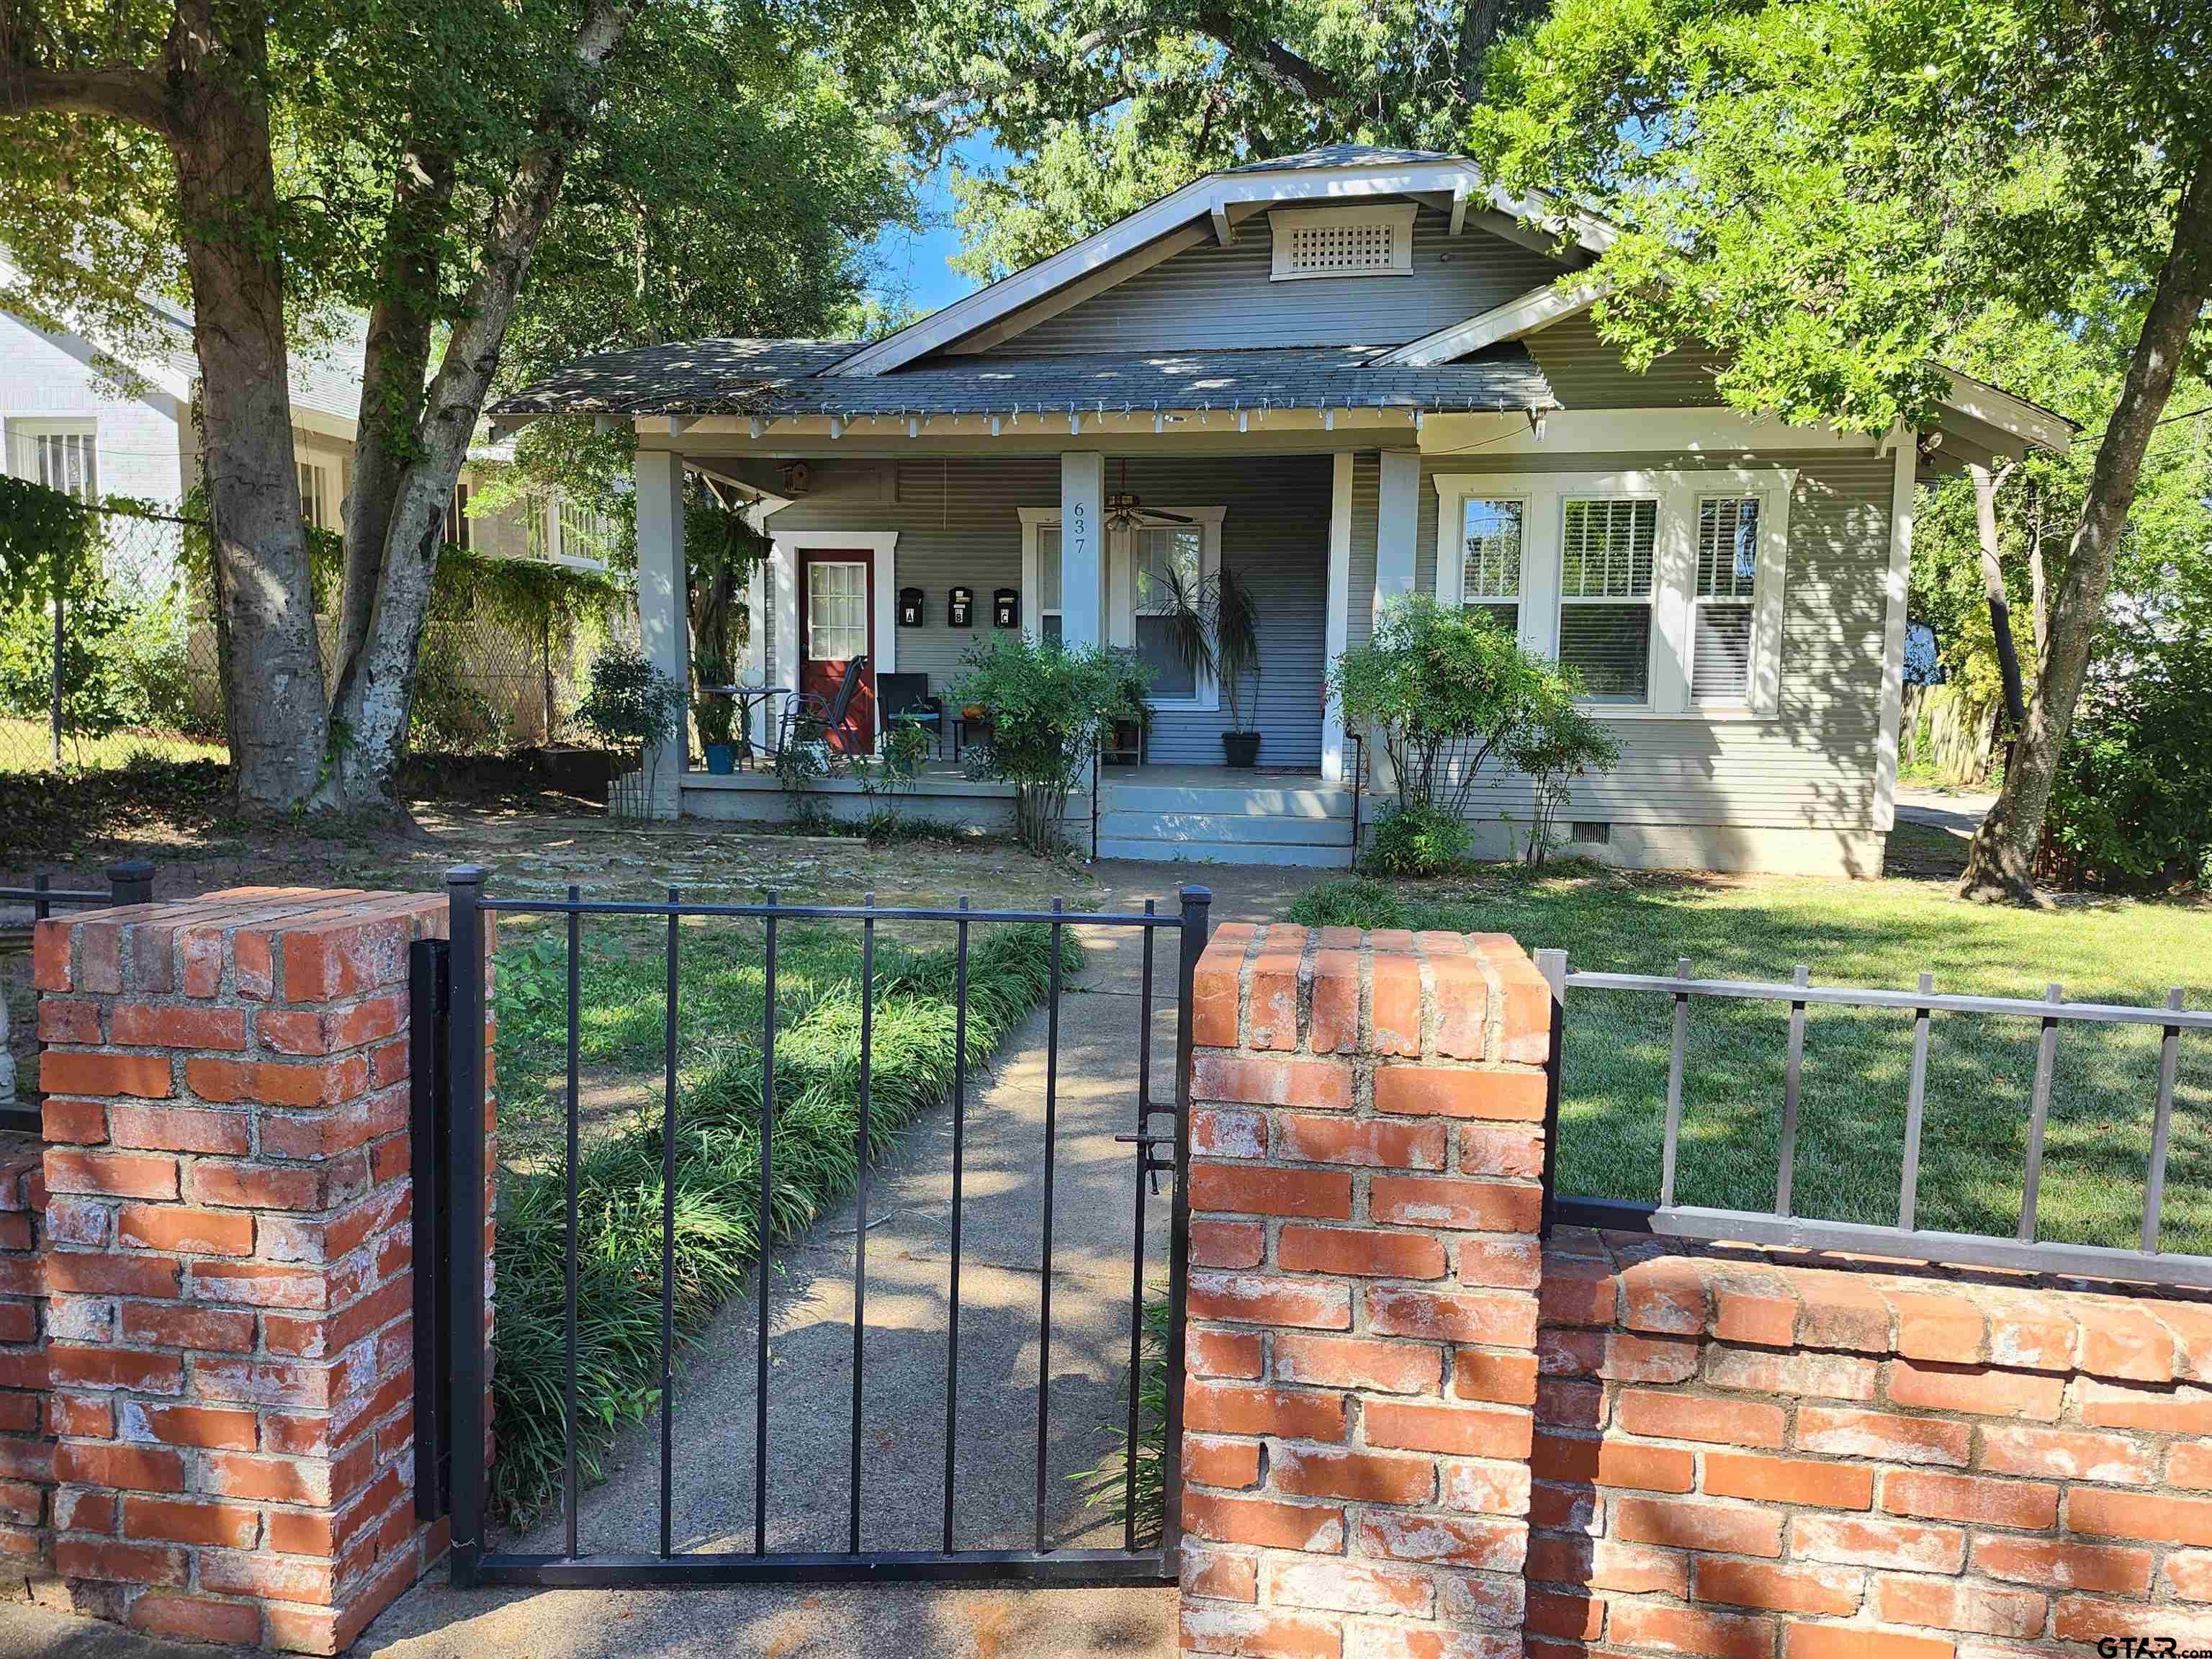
(1490, 575)
(583, 532)
(1608, 556)
(1165, 556)
(67, 461)
(1724, 612)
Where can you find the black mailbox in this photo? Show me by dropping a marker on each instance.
(1007, 608)
(910, 607)
(960, 608)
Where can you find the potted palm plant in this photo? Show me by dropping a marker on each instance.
(1213, 628)
(1236, 659)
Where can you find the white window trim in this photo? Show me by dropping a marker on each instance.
(23, 432)
(784, 547)
(1399, 215)
(1119, 576)
(1674, 571)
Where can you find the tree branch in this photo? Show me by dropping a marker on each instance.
(1271, 57)
(121, 91)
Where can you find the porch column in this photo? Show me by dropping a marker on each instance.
(663, 627)
(1082, 548)
(1336, 628)
(1397, 514)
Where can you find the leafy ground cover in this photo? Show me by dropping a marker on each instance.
(814, 1156)
(1880, 933)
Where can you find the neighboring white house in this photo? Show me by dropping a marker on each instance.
(1346, 375)
(99, 422)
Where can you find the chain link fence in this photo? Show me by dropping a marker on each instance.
(140, 665)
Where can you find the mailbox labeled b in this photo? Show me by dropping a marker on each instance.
(1006, 608)
(960, 608)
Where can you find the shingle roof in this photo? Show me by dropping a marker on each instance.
(1342, 155)
(766, 378)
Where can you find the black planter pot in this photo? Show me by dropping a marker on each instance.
(573, 771)
(1241, 749)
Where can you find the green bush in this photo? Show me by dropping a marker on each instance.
(1050, 706)
(1349, 901)
(123, 659)
(2132, 805)
(717, 1221)
(1417, 840)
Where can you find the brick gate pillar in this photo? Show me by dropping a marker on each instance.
(228, 1261)
(1367, 1148)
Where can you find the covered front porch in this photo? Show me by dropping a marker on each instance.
(1157, 813)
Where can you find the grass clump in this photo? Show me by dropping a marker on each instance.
(717, 1228)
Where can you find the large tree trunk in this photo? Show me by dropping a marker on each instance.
(218, 132)
(375, 692)
(2001, 863)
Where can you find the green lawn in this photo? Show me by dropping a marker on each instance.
(26, 746)
(1880, 934)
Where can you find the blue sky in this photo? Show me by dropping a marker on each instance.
(913, 266)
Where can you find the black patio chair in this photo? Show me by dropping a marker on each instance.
(808, 719)
(904, 699)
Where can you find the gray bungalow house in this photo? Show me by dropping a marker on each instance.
(1344, 375)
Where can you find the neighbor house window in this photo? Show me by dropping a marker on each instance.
(66, 459)
(1606, 569)
(314, 495)
(583, 533)
(1725, 600)
(1047, 583)
(1168, 558)
(1489, 572)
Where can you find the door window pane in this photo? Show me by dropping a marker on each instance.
(1047, 570)
(837, 612)
(1166, 557)
(1490, 580)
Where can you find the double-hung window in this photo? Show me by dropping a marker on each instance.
(458, 528)
(1490, 566)
(64, 458)
(1723, 606)
(1047, 582)
(1607, 563)
(314, 495)
(1170, 559)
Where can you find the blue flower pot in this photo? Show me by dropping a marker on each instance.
(722, 758)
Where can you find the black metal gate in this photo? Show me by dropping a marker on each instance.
(450, 1014)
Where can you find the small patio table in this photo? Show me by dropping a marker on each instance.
(748, 698)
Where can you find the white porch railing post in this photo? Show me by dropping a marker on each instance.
(664, 629)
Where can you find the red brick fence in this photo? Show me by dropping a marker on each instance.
(1413, 1429)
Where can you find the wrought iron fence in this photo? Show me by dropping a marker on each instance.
(1783, 1227)
(455, 982)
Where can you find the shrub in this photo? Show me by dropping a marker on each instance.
(1559, 743)
(1418, 839)
(1443, 689)
(1050, 706)
(631, 706)
(1349, 901)
(2131, 806)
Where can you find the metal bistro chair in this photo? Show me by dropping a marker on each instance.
(808, 719)
(904, 699)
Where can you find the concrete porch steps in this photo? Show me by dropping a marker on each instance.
(1221, 818)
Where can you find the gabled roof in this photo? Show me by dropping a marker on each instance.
(1336, 174)
(769, 380)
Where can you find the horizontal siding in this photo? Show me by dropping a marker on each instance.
(959, 522)
(1213, 297)
(1813, 765)
(1586, 373)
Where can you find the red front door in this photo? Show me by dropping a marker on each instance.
(836, 624)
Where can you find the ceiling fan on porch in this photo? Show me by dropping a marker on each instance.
(1124, 512)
